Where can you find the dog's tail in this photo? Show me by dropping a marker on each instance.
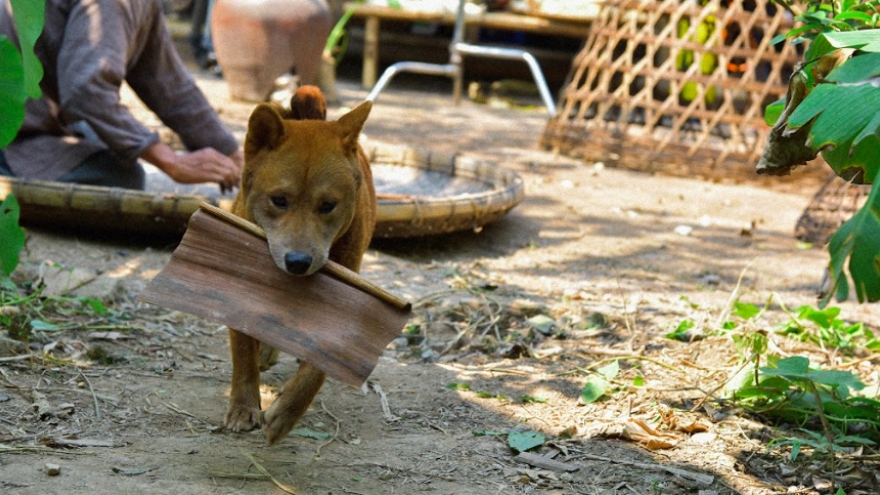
(308, 103)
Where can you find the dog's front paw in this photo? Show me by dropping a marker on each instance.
(242, 417)
(277, 423)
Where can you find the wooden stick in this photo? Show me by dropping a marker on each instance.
(332, 268)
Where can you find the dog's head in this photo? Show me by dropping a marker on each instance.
(300, 183)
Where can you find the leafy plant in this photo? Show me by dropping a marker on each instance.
(793, 391)
(337, 40)
(824, 327)
(832, 108)
(20, 70)
(11, 239)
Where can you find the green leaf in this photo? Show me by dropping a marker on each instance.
(594, 389)
(746, 311)
(44, 326)
(824, 318)
(774, 111)
(797, 368)
(795, 450)
(610, 370)
(458, 386)
(96, 305)
(853, 15)
(531, 399)
(522, 441)
(857, 240)
(11, 235)
(856, 69)
(29, 19)
(794, 367)
(866, 40)
(842, 111)
(681, 331)
(12, 93)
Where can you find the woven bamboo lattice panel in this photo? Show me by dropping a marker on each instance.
(676, 86)
(835, 203)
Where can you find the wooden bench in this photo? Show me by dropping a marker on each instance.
(505, 21)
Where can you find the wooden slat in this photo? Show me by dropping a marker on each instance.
(222, 273)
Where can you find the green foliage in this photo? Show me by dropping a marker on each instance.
(825, 328)
(20, 70)
(834, 102)
(857, 240)
(11, 238)
(12, 93)
(337, 40)
(531, 399)
(597, 384)
(826, 401)
(682, 331)
(791, 390)
(522, 441)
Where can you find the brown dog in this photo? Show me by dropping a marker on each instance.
(308, 184)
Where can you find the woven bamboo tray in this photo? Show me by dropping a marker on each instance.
(421, 193)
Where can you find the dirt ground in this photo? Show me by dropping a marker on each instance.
(133, 401)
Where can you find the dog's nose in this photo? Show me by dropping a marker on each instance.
(297, 263)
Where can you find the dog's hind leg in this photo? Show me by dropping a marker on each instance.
(268, 356)
(244, 397)
(296, 396)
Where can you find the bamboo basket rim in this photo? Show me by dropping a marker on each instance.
(116, 210)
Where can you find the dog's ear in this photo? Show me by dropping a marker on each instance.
(265, 130)
(352, 123)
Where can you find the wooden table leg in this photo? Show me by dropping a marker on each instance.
(371, 52)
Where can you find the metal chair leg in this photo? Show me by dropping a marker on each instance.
(513, 54)
(448, 70)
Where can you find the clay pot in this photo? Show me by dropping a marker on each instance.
(256, 41)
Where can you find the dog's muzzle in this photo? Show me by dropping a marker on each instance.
(297, 263)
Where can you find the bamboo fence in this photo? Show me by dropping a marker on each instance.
(676, 86)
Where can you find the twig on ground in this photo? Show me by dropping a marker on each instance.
(10, 359)
(703, 479)
(94, 396)
(237, 476)
(725, 311)
(335, 434)
(383, 399)
(259, 467)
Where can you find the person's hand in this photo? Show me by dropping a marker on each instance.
(204, 165)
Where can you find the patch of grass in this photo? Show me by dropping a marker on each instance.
(25, 312)
(823, 404)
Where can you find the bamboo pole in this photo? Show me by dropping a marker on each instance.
(332, 268)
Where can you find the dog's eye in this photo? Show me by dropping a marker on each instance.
(279, 202)
(327, 207)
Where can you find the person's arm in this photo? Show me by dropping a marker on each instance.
(204, 165)
(104, 40)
